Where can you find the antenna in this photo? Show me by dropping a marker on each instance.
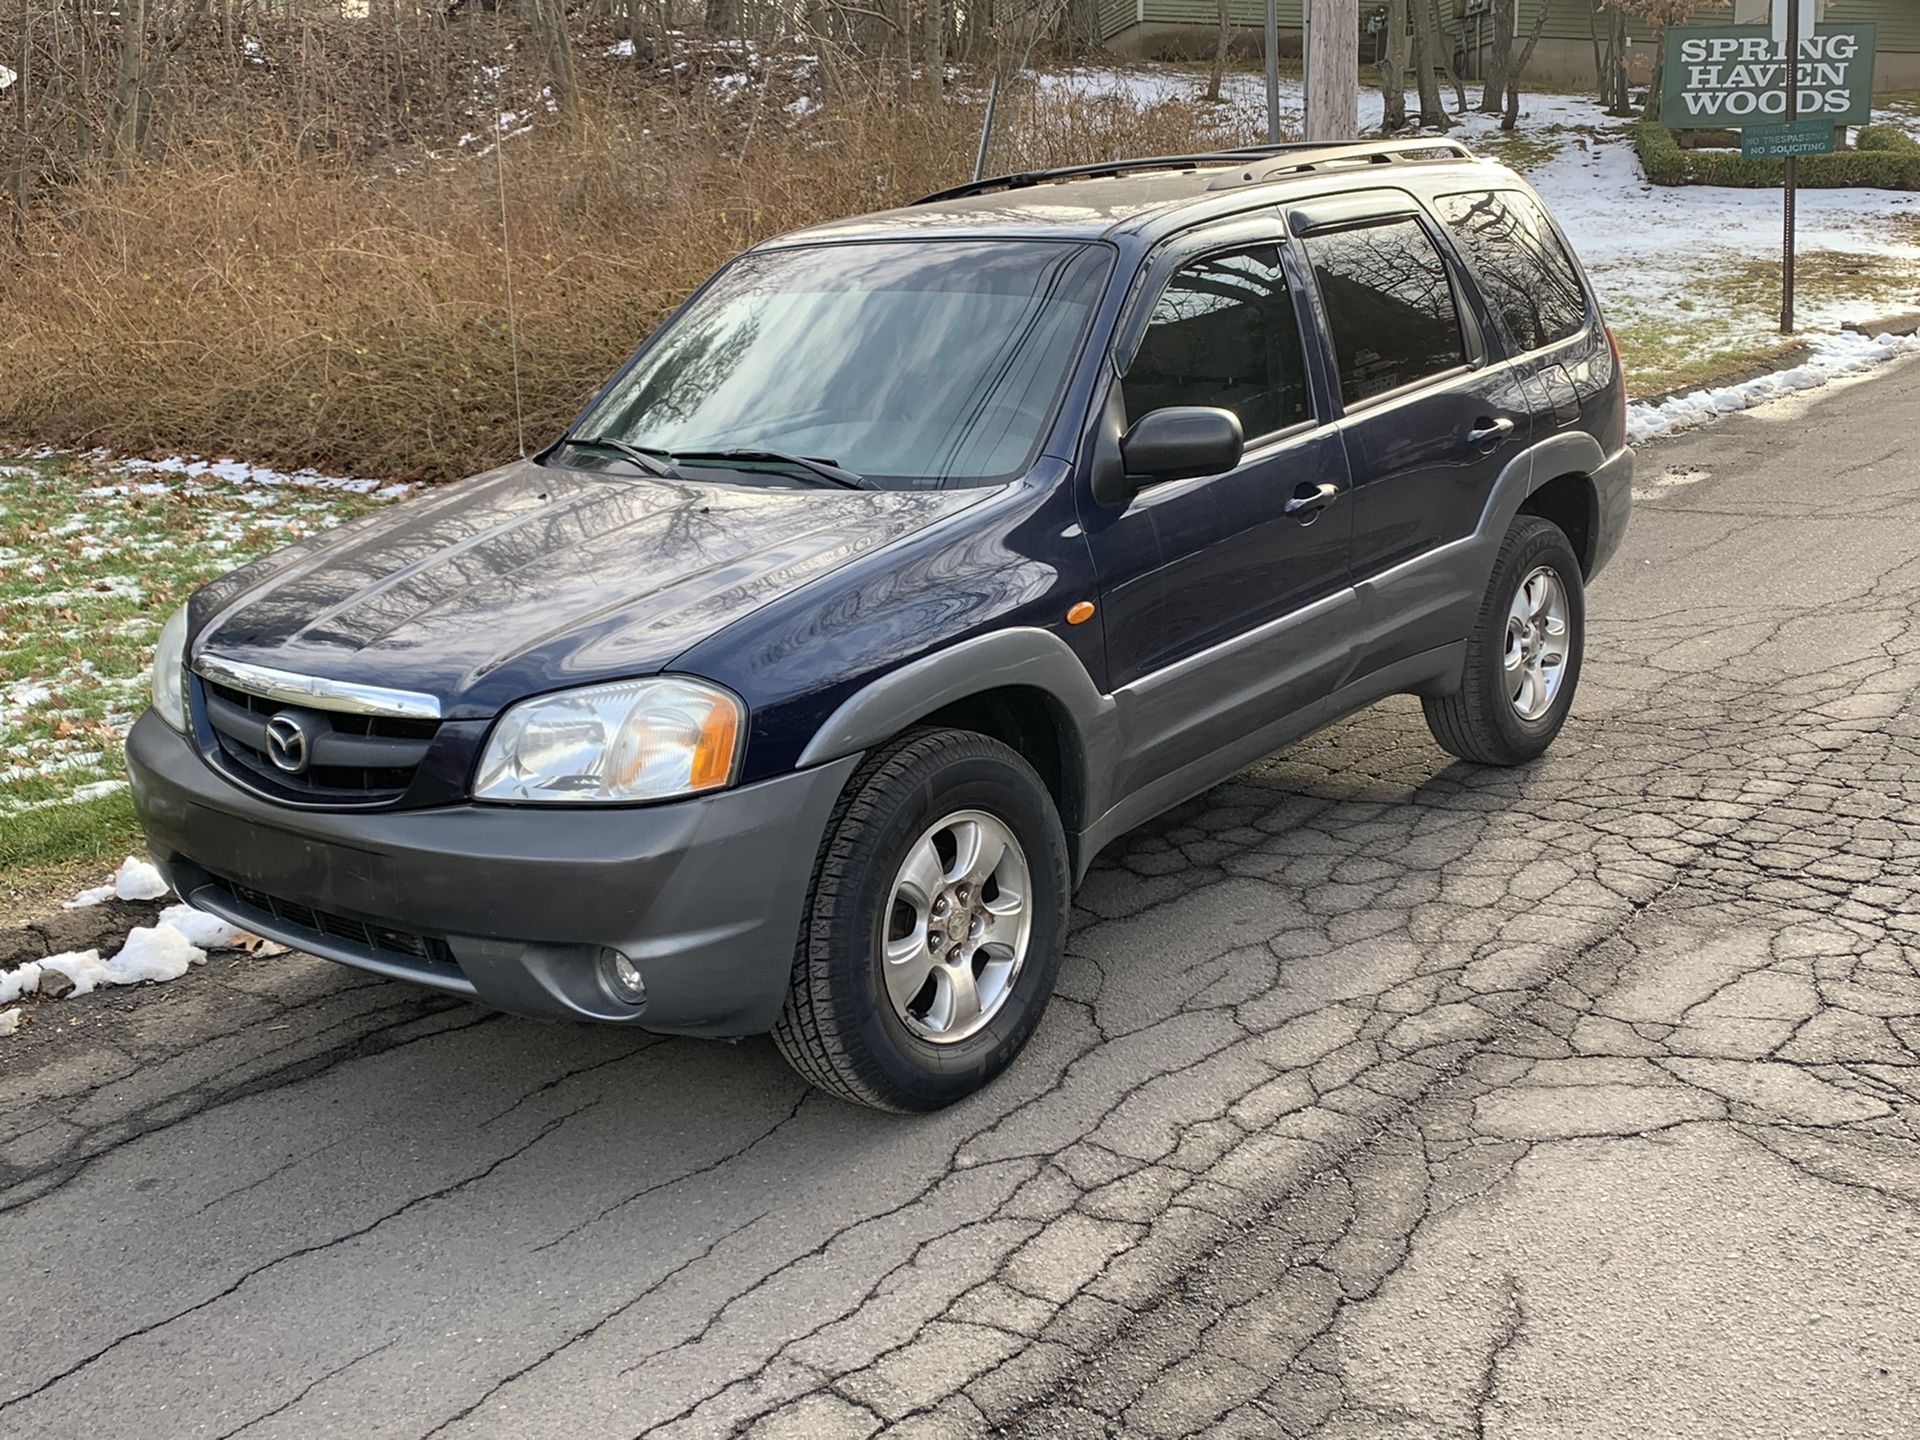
(506, 255)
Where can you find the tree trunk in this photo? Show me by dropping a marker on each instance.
(1333, 71)
(1617, 102)
(1493, 89)
(550, 28)
(132, 75)
(1519, 68)
(937, 20)
(1426, 46)
(19, 170)
(1651, 111)
(1220, 54)
(1393, 70)
(1444, 60)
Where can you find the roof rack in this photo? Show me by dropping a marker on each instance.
(1377, 152)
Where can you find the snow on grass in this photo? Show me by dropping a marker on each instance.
(1834, 356)
(94, 554)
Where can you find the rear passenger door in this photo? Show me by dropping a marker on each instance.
(1430, 415)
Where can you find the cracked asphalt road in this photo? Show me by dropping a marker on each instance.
(1382, 1096)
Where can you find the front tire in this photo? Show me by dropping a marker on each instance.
(1523, 657)
(934, 926)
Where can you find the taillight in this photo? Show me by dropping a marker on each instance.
(1620, 391)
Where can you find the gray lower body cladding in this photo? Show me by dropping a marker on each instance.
(511, 906)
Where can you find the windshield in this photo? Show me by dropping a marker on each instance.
(913, 364)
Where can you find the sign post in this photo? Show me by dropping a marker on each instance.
(1273, 70)
(1793, 160)
(1787, 92)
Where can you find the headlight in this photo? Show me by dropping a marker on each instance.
(633, 740)
(170, 671)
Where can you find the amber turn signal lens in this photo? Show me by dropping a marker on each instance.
(1081, 612)
(719, 742)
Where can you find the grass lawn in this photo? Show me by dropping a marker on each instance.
(92, 561)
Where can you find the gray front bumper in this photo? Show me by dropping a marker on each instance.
(511, 905)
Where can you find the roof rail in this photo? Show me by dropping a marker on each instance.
(1354, 153)
(1378, 152)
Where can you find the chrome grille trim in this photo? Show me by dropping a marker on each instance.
(322, 694)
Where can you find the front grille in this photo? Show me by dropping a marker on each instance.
(427, 954)
(353, 759)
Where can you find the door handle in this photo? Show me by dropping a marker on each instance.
(1488, 431)
(1308, 499)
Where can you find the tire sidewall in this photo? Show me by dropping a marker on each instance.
(1544, 544)
(925, 1075)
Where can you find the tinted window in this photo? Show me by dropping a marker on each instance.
(1390, 305)
(1529, 278)
(918, 364)
(1224, 333)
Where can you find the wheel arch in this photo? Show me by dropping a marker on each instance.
(1571, 501)
(1023, 686)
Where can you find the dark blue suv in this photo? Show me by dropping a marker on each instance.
(916, 558)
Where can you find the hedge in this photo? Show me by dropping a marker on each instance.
(1886, 159)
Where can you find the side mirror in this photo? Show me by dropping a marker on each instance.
(1180, 442)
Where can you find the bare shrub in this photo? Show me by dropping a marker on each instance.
(249, 295)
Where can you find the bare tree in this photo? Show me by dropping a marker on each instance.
(1220, 53)
(1493, 88)
(937, 19)
(1426, 47)
(1393, 69)
(549, 21)
(1511, 116)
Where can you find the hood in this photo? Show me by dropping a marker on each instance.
(531, 578)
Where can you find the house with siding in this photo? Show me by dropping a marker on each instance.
(1565, 54)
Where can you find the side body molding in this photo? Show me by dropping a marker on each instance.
(1167, 736)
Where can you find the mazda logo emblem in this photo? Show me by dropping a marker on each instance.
(287, 744)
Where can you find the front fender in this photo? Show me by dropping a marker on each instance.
(1020, 657)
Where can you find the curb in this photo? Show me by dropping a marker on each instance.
(1901, 322)
(97, 927)
(1783, 361)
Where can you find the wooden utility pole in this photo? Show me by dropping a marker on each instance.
(1333, 70)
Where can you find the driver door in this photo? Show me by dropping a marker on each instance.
(1227, 598)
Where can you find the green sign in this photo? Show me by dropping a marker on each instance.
(1778, 142)
(1731, 76)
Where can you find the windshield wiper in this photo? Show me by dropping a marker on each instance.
(650, 461)
(825, 469)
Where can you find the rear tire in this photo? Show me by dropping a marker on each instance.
(1512, 701)
(921, 970)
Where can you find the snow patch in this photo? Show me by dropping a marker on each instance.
(136, 879)
(1834, 356)
(9, 1021)
(239, 472)
(7, 77)
(620, 50)
(209, 932)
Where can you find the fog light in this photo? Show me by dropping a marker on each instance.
(623, 977)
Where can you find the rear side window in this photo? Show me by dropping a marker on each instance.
(1224, 333)
(1389, 304)
(1530, 279)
